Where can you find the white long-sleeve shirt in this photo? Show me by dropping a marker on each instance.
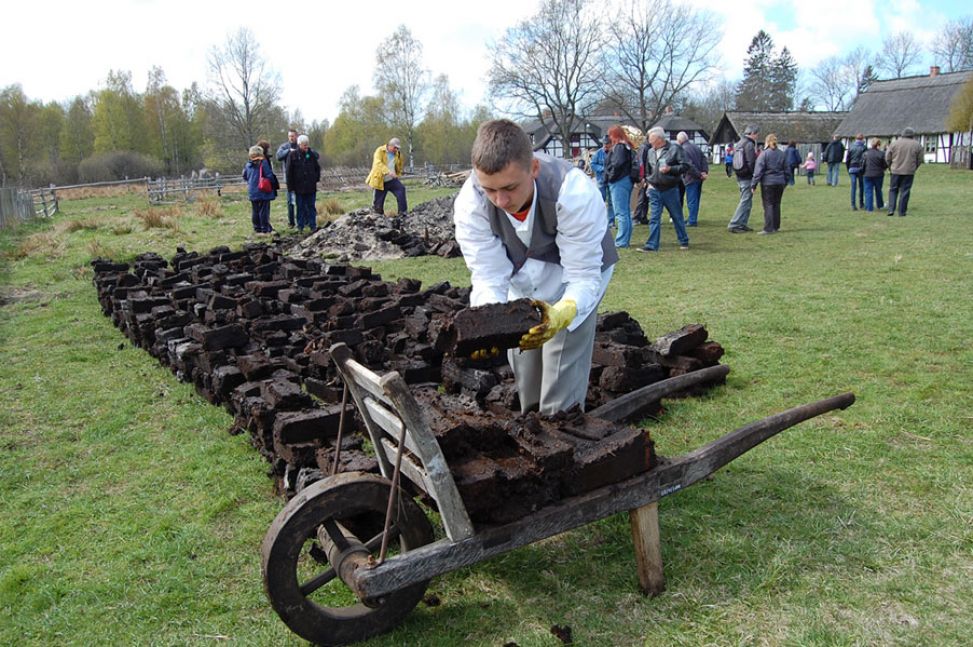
(581, 226)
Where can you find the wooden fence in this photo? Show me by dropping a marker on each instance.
(19, 205)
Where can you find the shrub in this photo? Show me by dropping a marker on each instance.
(81, 225)
(47, 244)
(210, 208)
(159, 217)
(332, 207)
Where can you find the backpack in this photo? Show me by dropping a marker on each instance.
(740, 163)
(634, 173)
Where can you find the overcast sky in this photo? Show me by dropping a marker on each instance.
(56, 50)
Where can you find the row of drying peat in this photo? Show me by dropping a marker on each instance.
(251, 330)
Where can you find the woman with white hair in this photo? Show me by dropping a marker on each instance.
(303, 172)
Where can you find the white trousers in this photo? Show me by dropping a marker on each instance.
(554, 377)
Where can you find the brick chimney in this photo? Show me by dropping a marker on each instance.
(933, 71)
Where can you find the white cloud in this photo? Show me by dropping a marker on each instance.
(322, 48)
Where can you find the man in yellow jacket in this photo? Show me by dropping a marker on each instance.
(384, 177)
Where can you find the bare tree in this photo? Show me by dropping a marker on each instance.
(706, 107)
(954, 48)
(833, 84)
(401, 79)
(900, 53)
(655, 54)
(858, 63)
(547, 67)
(246, 89)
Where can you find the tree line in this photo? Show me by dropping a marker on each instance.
(636, 58)
(563, 64)
(117, 131)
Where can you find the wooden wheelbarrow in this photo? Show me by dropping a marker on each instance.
(351, 555)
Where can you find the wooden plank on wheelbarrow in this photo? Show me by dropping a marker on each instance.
(627, 406)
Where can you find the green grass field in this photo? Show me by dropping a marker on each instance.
(129, 516)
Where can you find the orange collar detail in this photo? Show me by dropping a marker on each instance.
(521, 215)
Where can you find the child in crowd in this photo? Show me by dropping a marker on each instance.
(810, 165)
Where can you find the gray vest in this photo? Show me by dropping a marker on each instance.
(543, 244)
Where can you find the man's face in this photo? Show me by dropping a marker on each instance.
(511, 188)
(656, 142)
(303, 146)
(292, 137)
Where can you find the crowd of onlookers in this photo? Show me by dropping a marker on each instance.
(301, 168)
(669, 176)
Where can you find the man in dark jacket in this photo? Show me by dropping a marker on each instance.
(303, 173)
(664, 163)
(694, 176)
(856, 159)
(641, 215)
(793, 160)
(834, 155)
(738, 224)
(282, 152)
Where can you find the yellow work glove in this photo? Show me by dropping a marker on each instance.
(554, 318)
(485, 353)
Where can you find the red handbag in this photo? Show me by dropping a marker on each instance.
(263, 184)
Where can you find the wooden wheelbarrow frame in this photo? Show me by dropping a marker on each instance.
(393, 416)
(388, 408)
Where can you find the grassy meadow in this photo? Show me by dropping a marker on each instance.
(129, 516)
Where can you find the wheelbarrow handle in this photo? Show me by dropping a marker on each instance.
(688, 468)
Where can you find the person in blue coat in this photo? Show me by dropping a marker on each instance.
(258, 167)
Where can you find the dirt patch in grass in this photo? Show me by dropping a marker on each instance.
(11, 295)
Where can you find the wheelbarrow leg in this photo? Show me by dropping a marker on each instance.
(648, 550)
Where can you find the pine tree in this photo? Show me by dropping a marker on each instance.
(753, 91)
(783, 80)
(769, 79)
(868, 77)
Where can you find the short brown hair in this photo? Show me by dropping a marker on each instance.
(498, 143)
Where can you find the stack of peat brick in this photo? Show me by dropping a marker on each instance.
(251, 328)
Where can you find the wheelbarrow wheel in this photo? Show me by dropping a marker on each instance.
(303, 586)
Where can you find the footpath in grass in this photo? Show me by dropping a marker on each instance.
(129, 516)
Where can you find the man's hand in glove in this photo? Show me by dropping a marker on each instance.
(485, 353)
(555, 317)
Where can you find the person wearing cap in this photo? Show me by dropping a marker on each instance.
(738, 224)
(384, 176)
(303, 173)
(598, 163)
(532, 226)
(256, 169)
(904, 156)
